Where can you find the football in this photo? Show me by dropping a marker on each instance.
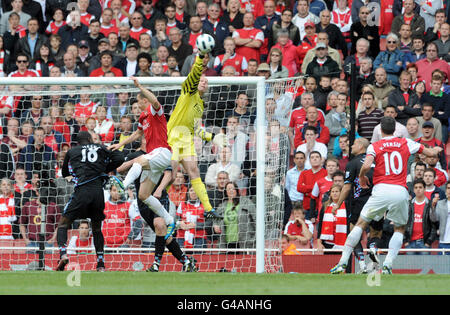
(205, 43)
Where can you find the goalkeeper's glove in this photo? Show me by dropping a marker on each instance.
(203, 134)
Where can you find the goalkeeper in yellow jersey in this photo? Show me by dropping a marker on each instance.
(184, 123)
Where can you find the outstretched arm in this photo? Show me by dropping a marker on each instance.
(148, 94)
(190, 85)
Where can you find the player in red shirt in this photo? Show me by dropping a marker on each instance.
(389, 192)
(153, 126)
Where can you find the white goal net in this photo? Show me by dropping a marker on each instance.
(243, 168)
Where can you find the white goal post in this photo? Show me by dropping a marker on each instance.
(258, 82)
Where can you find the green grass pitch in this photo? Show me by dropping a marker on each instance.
(174, 283)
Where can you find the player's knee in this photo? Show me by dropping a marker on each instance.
(143, 195)
(160, 226)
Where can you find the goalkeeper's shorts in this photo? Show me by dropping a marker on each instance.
(182, 149)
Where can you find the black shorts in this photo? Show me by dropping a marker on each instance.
(87, 201)
(356, 208)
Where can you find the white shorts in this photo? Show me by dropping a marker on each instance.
(159, 161)
(387, 197)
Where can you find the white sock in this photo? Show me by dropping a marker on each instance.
(134, 172)
(159, 209)
(352, 239)
(394, 246)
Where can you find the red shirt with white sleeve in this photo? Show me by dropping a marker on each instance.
(135, 33)
(154, 125)
(85, 110)
(7, 216)
(320, 188)
(191, 213)
(253, 33)
(117, 224)
(54, 27)
(237, 61)
(391, 159)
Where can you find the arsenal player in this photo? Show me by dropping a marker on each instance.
(153, 126)
(389, 192)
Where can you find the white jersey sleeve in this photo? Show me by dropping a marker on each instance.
(371, 150)
(414, 146)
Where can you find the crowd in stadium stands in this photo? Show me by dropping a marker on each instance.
(403, 71)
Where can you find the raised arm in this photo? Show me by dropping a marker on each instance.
(148, 94)
(190, 85)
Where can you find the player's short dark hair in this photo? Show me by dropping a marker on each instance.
(315, 152)
(332, 159)
(297, 206)
(388, 125)
(419, 181)
(314, 129)
(84, 137)
(300, 152)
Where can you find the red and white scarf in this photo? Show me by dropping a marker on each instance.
(334, 227)
(2, 60)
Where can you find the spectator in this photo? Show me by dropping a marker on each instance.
(180, 12)
(217, 193)
(201, 9)
(107, 26)
(299, 229)
(431, 190)
(405, 42)
(56, 49)
(432, 62)
(213, 25)
(7, 210)
(428, 11)
(433, 33)
(144, 61)
(17, 6)
(85, 107)
(293, 175)
(440, 176)
(223, 164)
(409, 17)
(361, 29)
(31, 43)
(288, 247)
(412, 126)
(73, 32)
(322, 186)
(117, 224)
(303, 16)
(361, 51)
(265, 22)
(70, 67)
(124, 36)
(439, 213)
(336, 119)
(123, 131)
(178, 190)
(35, 113)
(150, 15)
(400, 129)
(94, 35)
(308, 178)
(322, 64)
(309, 42)
(54, 139)
(263, 70)
(13, 141)
(420, 231)
(312, 119)
(440, 102)
(191, 232)
(382, 87)
(332, 227)
(230, 58)
(370, 117)
(179, 49)
(128, 65)
(242, 111)
(344, 148)
(443, 43)
(248, 39)
(232, 16)
(69, 120)
(31, 218)
(160, 38)
(82, 240)
(335, 37)
(322, 37)
(427, 115)
(36, 154)
(417, 169)
(418, 50)
(106, 59)
(104, 127)
(137, 19)
(239, 219)
(428, 139)
(286, 65)
(391, 59)
(286, 24)
(341, 16)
